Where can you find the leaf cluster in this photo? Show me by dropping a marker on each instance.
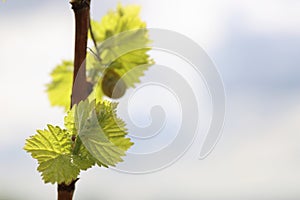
(92, 133)
(126, 55)
(60, 153)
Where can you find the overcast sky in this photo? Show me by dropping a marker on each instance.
(255, 46)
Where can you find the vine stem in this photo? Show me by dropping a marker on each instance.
(80, 90)
(82, 19)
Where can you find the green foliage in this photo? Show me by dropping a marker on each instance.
(122, 20)
(131, 45)
(113, 126)
(127, 55)
(52, 148)
(59, 152)
(95, 123)
(93, 133)
(60, 89)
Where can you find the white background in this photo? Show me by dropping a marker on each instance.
(255, 45)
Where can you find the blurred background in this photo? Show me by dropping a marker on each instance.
(255, 46)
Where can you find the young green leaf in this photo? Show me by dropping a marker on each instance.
(128, 50)
(122, 19)
(113, 126)
(96, 126)
(96, 135)
(59, 90)
(52, 148)
(125, 18)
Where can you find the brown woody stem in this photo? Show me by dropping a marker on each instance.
(65, 192)
(82, 18)
(80, 91)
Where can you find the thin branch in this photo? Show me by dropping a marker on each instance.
(95, 54)
(94, 40)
